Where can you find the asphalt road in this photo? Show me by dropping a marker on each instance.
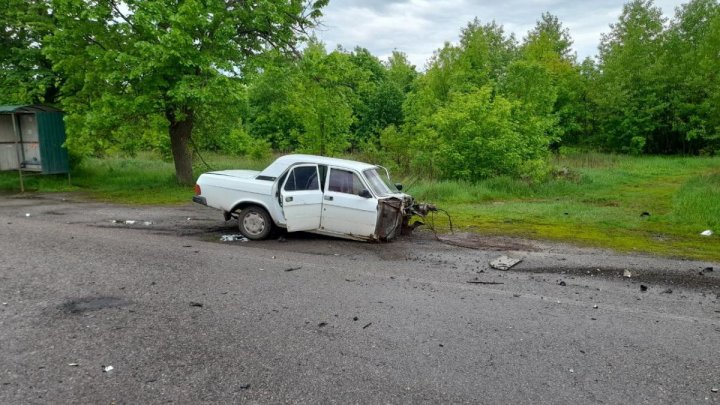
(182, 317)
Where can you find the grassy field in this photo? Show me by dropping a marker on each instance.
(594, 200)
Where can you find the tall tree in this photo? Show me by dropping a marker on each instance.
(693, 71)
(128, 60)
(631, 95)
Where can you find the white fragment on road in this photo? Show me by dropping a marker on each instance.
(704, 233)
(130, 222)
(4, 303)
(73, 364)
(595, 306)
(504, 263)
(233, 238)
(572, 371)
(106, 369)
(147, 223)
(27, 214)
(627, 273)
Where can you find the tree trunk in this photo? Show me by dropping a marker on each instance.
(180, 132)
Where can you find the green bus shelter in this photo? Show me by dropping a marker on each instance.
(31, 140)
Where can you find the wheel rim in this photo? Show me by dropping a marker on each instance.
(254, 223)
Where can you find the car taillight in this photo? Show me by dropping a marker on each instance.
(197, 189)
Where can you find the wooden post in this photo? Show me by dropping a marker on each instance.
(18, 145)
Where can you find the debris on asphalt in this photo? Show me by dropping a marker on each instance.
(366, 326)
(107, 369)
(130, 222)
(282, 239)
(73, 364)
(703, 233)
(572, 371)
(244, 386)
(147, 223)
(518, 296)
(27, 214)
(708, 269)
(294, 268)
(504, 263)
(667, 291)
(627, 273)
(595, 306)
(643, 287)
(476, 281)
(233, 238)
(4, 303)
(196, 304)
(562, 283)
(714, 389)
(355, 318)
(322, 324)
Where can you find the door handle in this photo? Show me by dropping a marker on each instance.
(288, 199)
(329, 197)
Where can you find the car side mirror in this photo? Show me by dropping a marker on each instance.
(398, 186)
(365, 194)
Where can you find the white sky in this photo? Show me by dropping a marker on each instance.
(419, 27)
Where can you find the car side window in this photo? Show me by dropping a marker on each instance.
(343, 181)
(302, 178)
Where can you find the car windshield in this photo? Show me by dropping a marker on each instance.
(379, 184)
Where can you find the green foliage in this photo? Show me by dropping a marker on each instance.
(26, 75)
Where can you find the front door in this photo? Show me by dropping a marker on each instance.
(345, 211)
(302, 199)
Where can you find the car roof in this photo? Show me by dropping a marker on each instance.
(279, 166)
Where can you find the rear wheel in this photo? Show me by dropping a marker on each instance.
(255, 223)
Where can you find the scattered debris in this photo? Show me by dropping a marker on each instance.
(595, 306)
(147, 223)
(482, 282)
(282, 239)
(627, 273)
(562, 283)
(518, 296)
(322, 324)
(703, 233)
(714, 389)
(504, 263)
(27, 214)
(107, 369)
(667, 291)
(572, 371)
(233, 238)
(294, 268)
(643, 287)
(4, 303)
(366, 326)
(355, 318)
(130, 222)
(244, 387)
(708, 269)
(73, 364)
(196, 304)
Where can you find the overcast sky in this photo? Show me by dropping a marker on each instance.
(419, 27)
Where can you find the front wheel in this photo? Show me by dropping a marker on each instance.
(254, 223)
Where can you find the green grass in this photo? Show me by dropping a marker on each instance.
(597, 201)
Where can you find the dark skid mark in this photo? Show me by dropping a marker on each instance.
(80, 305)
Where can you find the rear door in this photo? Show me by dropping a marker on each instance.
(302, 198)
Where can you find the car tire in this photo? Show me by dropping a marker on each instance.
(255, 223)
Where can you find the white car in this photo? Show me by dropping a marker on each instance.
(328, 196)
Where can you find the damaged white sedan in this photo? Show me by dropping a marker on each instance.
(328, 196)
